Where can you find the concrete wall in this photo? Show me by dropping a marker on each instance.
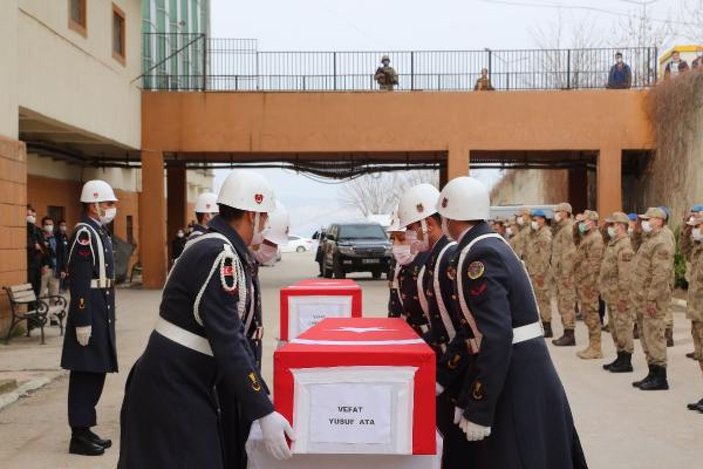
(531, 187)
(8, 69)
(73, 78)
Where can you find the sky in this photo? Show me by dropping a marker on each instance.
(324, 25)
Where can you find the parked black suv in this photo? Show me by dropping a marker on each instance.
(356, 247)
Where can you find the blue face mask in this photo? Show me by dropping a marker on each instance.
(583, 228)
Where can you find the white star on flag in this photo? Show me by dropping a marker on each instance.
(362, 330)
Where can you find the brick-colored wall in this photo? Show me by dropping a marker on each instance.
(13, 202)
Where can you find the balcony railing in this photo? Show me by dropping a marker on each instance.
(187, 62)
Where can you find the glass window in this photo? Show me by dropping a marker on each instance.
(118, 34)
(361, 231)
(77, 17)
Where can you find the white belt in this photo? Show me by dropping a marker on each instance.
(528, 332)
(424, 328)
(183, 337)
(102, 283)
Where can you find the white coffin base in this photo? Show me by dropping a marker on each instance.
(260, 459)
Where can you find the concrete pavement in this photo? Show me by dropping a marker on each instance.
(620, 427)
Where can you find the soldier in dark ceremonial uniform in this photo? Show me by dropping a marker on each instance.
(89, 348)
(512, 401)
(169, 413)
(205, 210)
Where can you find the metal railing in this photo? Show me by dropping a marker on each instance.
(195, 62)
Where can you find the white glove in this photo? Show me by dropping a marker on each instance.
(83, 334)
(439, 389)
(458, 414)
(274, 428)
(473, 431)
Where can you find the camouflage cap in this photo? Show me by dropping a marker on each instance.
(512, 220)
(500, 220)
(384, 58)
(523, 211)
(695, 220)
(590, 215)
(653, 212)
(580, 217)
(618, 217)
(564, 207)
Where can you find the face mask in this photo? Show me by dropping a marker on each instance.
(180, 234)
(445, 228)
(558, 217)
(424, 244)
(696, 234)
(31, 219)
(402, 254)
(520, 221)
(630, 231)
(646, 226)
(509, 232)
(48, 229)
(62, 228)
(583, 228)
(619, 60)
(108, 215)
(534, 225)
(259, 235)
(611, 232)
(265, 253)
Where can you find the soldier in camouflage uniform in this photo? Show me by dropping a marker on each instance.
(687, 244)
(694, 255)
(522, 236)
(512, 231)
(669, 320)
(386, 76)
(615, 278)
(563, 256)
(651, 293)
(537, 256)
(588, 261)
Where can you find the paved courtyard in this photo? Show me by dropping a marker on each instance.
(620, 427)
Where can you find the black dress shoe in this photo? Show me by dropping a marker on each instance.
(694, 405)
(97, 440)
(83, 445)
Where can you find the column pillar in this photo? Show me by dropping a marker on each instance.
(152, 223)
(609, 181)
(457, 161)
(177, 200)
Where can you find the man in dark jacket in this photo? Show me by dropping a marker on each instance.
(35, 252)
(89, 348)
(511, 377)
(620, 76)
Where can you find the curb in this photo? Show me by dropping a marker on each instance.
(6, 399)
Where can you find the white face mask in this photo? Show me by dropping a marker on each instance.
(612, 232)
(520, 221)
(62, 228)
(180, 234)
(696, 234)
(265, 253)
(558, 217)
(646, 226)
(402, 254)
(31, 219)
(445, 228)
(48, 229)
(423, 245)
(259, 234)
(630, 231)
(509, 232)
(534, 225)
(108, 215)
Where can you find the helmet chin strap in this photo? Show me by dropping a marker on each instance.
(423, 226)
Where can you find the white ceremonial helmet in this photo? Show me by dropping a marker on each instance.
(464, 198)
(418, 203)
(97, 191)
(206, 203)
(247, 190)
(278, 225)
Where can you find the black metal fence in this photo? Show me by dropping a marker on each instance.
(196, 62)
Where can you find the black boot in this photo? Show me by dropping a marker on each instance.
(637, 384)
(548, 330)
(614, 362)
(83, 444)
(694, 405)
(669, 334)
(658, 381)
(567, 340)
(625, 364)
(105, 443)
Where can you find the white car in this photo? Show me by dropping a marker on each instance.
(297, 244)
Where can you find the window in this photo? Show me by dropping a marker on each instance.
(77, 17)
(119, 51)
(130, 229)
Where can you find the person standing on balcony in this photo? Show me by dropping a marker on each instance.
(620, 76)
(385, 75)
(484, 82)
(698, 61)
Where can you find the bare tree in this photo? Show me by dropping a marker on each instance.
(691, 21)
(378, 193)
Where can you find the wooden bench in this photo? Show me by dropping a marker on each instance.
(26, 306)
